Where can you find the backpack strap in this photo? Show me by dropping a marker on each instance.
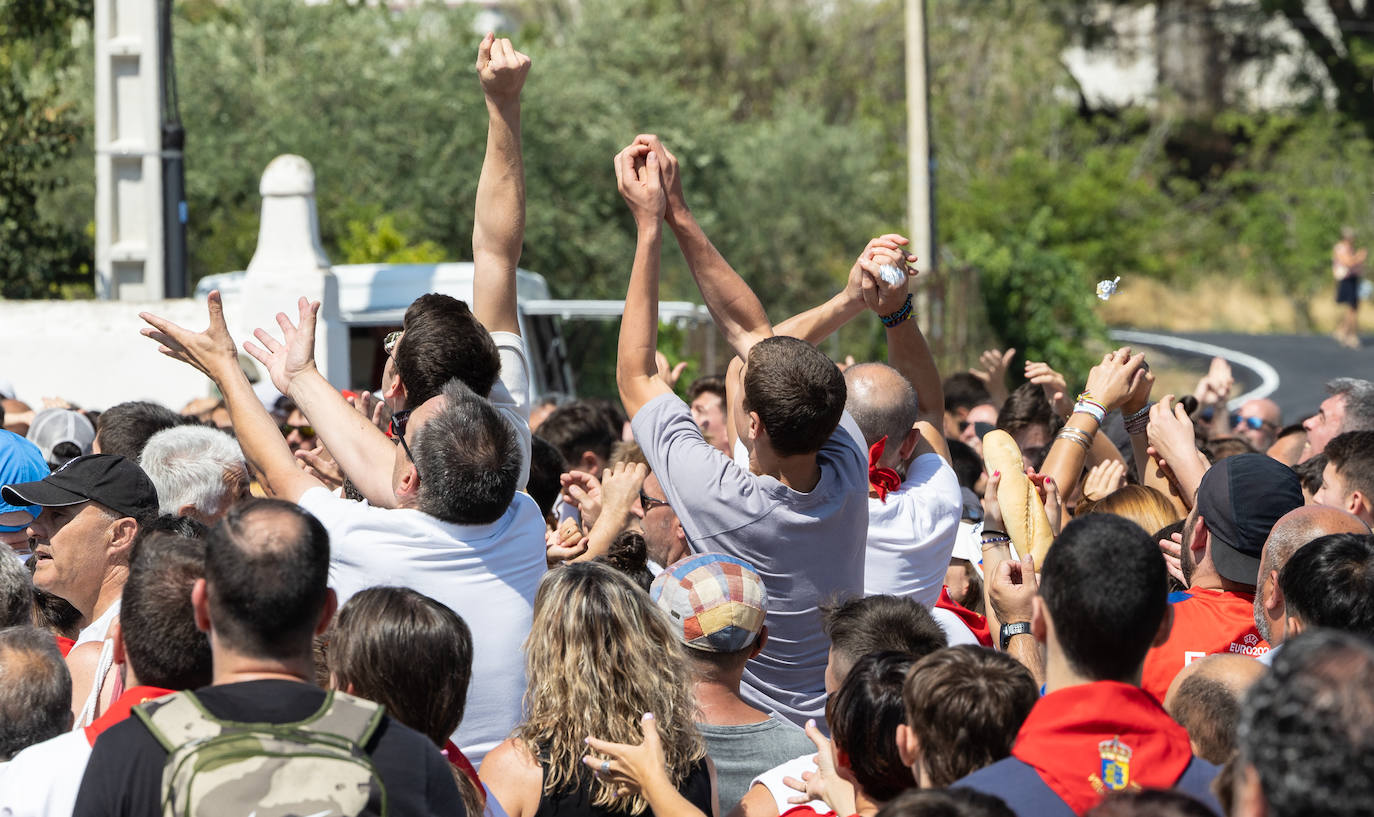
(346, 716)
(177, 720)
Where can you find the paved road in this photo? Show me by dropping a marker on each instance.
(1303, 362)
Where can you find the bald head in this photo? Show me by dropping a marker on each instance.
(1205, 698)
(883, 404)
(1293, 530)
(1300, 526)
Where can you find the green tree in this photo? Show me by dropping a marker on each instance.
(39, 256)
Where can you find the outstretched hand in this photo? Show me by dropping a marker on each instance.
(826, 783)
(638, 175)
(295, 353)
(211, 352)
(1116, 378)
(854, 285)
(672, 175)
(879, 295)
(627, 768)
(501, 69)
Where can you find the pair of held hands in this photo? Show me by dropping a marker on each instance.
(615, 496)
(631, 769)
(649, 178)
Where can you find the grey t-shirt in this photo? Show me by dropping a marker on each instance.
(742, 753)
(808, 547)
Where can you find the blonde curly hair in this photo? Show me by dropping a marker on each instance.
(599, 656)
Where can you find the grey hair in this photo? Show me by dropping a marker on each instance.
(188, 466)
(35, 690)
(16, 591)
(1359, 402)
(468, 457)
(881, 409)
(1306, 727)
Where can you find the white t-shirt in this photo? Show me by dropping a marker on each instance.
(511, 394)
(42, 780)
(98, 630)
(956, 631)
(911, 534)
(485, 573)
(772, 780)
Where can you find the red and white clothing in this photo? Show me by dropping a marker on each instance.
(1205, 622)
(911, 532)
(42, 780)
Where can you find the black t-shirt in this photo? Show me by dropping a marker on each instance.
(124, 776)
(576, 800)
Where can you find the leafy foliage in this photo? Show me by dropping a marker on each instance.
(39, 256)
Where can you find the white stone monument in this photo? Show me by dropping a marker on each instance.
(288, 263)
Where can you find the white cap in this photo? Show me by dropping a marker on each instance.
(54, 426)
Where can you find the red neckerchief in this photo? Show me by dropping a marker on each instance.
(882, 479)
(119, 709)
(978, 624)
(459, 761)
(1091, 740)
(64, 645)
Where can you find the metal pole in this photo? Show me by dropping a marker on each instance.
(920, 175)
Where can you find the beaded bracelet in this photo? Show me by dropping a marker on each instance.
(1136, 423)
(900, 315)
(995, 541)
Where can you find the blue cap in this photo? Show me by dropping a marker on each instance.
(20, 461)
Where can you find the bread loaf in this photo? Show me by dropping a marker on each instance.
(1022, 511)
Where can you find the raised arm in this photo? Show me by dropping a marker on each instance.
(636, 368)
(363, 452)
(907, 349)
(213, 353)
(1110, 384)
(820, 322)
(499, 226)
(737, 311)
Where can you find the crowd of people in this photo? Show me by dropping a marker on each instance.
(806, 589)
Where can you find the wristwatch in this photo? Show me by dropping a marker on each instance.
(1015, 628)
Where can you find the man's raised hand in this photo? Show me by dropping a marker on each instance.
(640, 181)
(672, 175)
(501, 69)
(212, 351)
(880, 295)
(294, 353)
(854, 286)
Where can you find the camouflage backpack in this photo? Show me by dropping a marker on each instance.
(313, 768)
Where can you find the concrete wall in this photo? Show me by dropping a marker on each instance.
(91, 352)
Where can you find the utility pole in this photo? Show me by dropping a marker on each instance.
(920, 186)
(139, 198)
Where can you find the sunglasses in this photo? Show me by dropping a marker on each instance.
(1252, 423)
(650, 502)
(398, 435)
(390, 341)
(306, 431)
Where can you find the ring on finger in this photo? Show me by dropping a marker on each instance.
(605, 766)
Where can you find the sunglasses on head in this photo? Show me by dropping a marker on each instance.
(389, 342)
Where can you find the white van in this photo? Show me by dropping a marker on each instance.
(373, 299)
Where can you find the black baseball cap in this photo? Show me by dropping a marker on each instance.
(1240, 499)
(114, 481)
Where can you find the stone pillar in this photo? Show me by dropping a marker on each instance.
(288, 263)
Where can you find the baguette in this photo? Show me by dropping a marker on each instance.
(1023, 513)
